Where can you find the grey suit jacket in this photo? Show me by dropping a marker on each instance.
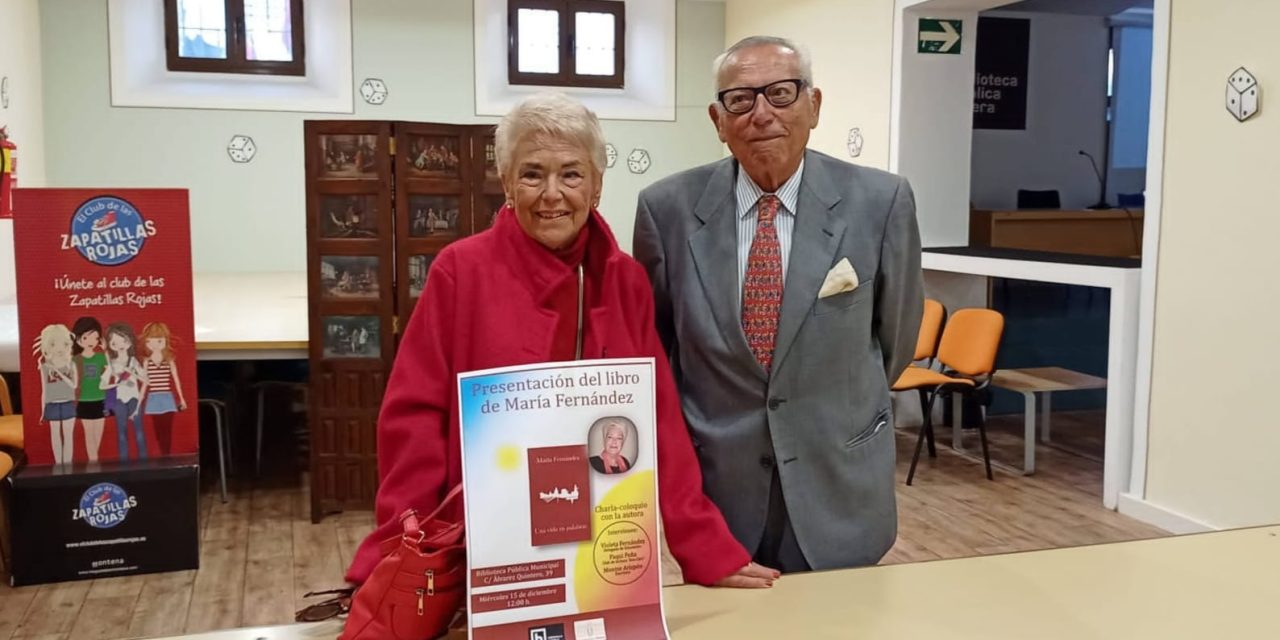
(823, 416)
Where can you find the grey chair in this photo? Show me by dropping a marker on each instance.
(1131, 200)
(1033, 199)
(297, 406)
(219, 408)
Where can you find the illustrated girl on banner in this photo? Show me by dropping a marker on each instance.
(58, 389)
(162, 386)
(128, 381)
(92, 364)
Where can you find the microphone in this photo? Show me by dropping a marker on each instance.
(1102, 184)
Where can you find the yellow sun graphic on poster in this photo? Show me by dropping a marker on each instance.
(509, 458)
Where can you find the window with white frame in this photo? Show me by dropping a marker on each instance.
(235, 36)
(644, 34)
(566, 43)
(140, 47)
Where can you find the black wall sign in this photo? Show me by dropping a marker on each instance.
(1000, 81)
(126, 519)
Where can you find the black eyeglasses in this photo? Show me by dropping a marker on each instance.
(333, 607)
(740, 100)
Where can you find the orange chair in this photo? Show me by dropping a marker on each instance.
(6, 403)
(968, 356)
(931, 323)
(10, 424)
(10, 445)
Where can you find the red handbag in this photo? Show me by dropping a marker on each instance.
(418, 586)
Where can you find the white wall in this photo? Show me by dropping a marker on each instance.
(1213, 428)
(674, 146)
(934, 129)
(1066, 112)
(851, 46)
(251, 217)
(20, 62)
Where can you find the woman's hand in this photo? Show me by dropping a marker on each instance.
(752, 576)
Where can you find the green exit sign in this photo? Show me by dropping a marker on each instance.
(939, 36)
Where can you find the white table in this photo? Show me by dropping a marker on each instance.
(1122, 339)
(1037, 385)
(251, 316)
(239, 316)
(1210, 585)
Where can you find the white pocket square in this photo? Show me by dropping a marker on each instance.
(840, 278)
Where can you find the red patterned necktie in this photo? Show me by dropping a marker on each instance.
(762, 286)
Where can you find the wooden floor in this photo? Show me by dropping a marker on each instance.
(259, 555)
(952, 510)
(260, 552)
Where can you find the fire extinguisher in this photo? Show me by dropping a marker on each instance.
(8, 173)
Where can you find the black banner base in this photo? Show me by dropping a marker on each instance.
(103, 520)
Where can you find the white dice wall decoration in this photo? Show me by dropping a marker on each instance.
(1242, 94)
(374, 91)
(610, 155)
(638, 161)
(855, 142)
(241, 149)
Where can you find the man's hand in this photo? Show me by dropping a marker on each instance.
(752, 576)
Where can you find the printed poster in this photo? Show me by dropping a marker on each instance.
(105, 324)
(559, 470)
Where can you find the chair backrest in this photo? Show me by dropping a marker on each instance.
(930, 329)
(970, 341)
(6, 403)
(1031, 199)
(1131, 200)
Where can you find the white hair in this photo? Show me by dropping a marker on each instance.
(615, 425)
(551, 114)
(803, 60)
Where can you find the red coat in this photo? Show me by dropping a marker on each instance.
(484, 306)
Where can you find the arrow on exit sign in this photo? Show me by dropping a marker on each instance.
(939, 36)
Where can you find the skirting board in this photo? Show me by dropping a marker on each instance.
(1158, 516)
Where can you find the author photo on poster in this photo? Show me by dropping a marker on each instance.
(613, 443)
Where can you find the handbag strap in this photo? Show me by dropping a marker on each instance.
(413, 524)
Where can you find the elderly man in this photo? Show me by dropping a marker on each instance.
(788, 294)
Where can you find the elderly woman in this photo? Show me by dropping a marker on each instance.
(611, 459)
(510, 296)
